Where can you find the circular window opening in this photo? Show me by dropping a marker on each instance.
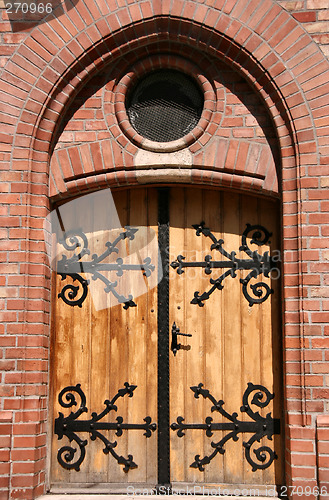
(165, 105)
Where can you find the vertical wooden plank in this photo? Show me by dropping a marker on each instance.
(80, 350)
(214, 376)
(72, 353)
(60, 369)
(99, 350)
(233, 457)
(252, 332)
(152, 339)
(195, 325)
(119, 354)
(137, 338)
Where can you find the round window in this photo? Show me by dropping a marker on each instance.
(165, 105)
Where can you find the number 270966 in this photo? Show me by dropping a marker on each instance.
(24, 8)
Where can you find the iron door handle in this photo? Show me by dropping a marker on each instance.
(174, 334)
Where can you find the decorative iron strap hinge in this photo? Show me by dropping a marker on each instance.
(69, 426)
(75, 266)
(260, 427)
(257, 264)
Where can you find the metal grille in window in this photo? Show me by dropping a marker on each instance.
(165, 105)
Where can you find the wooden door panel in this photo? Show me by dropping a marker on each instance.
(101, 345)
(232, 342)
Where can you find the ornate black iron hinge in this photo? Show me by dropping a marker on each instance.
(260, 427)
(69, 426)
(257, 264)
(74, 267)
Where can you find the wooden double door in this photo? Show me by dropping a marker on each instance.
(135, 403)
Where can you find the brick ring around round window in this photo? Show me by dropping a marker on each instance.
(163, 103)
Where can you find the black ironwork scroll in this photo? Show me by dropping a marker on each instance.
(257, 264)
(260, 427)
(70, 426)
(74, 267)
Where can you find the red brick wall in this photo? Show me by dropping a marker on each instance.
(322, 442)
(272, 50)
(314, 16)
(6, 433)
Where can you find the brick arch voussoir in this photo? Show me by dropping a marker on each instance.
(87, 167)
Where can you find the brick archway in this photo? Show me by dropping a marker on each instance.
(269, 48)
(237, 161)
